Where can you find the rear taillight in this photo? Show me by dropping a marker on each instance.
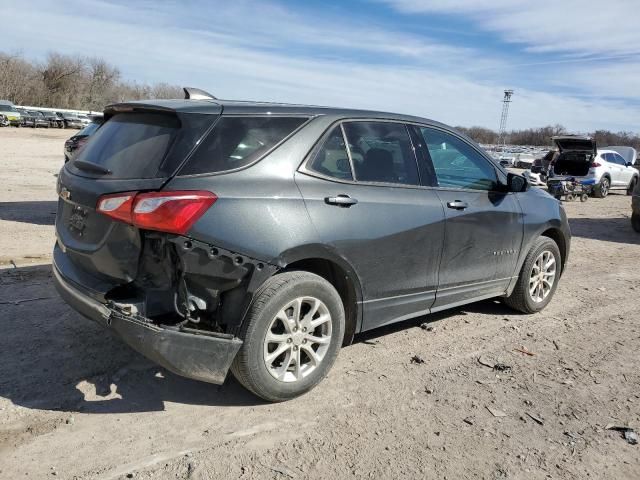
(171, 212)
(595, 164)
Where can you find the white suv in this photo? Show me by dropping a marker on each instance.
(605, 169)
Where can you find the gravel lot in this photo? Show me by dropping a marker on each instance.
(76, 403)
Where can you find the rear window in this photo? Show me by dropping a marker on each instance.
(236, 142)
(132, 145)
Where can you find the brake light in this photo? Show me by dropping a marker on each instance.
(595, 164)
(171, 212)
(117, 206)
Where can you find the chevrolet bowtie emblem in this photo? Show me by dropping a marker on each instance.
(64, 193)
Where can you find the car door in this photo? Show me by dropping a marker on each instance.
(625, 173)
(483, 223)
(365, 200)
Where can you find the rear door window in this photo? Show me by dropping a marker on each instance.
(131, 145)
(332, 160)
(236, 142)
(456, 163)
(382, 152)
(618, 159)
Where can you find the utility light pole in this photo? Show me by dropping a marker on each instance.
(503, 119)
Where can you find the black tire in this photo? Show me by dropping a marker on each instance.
(635, 221)
(521, 299)
(602, 189)
(632, 185)
(250, 368)
(584, 197)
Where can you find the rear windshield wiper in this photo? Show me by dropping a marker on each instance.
(91, 167)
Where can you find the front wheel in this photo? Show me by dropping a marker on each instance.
(292, 334)
(602, 189)
(538, 277)
(632, 185)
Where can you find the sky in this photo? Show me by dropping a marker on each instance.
(572, 62)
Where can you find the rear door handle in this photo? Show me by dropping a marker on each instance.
(341, 200)
(457, 205)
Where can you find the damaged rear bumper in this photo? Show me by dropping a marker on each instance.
(205, 356)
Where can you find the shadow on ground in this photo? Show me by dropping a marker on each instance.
(37, 213)
(617, 230)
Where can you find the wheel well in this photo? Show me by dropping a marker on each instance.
(557, 236)
(344, 285)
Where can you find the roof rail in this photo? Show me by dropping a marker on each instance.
(197, 94)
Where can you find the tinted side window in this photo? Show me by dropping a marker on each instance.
(618, 159)
(456, 163)
(237, 142)
(332, 159)
(381, 152)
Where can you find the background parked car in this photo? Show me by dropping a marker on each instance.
(53, 119)
(71, 120)
(580, 158)
(9, 110)
(84, 119)
(39, 120)
(73, 146)
(26, 118)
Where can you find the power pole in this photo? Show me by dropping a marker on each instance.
(503, 119)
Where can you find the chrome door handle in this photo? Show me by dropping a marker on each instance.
(341, 201)
(457, 205)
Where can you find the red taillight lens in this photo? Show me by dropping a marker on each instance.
(118, 206)
(171, 212)
(595, 164)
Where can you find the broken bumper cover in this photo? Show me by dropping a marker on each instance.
(204, 356)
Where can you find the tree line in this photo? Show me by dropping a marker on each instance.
(542, 136)
(72, 82)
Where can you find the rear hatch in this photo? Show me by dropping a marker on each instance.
(138, 149)
(576, 153)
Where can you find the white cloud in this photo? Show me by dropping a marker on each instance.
(579, 26)
(276, 55)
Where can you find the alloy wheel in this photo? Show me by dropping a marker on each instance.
(543, 275)
(297, 339)
(604, 187)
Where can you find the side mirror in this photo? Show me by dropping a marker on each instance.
(517, 183)
(629, 164)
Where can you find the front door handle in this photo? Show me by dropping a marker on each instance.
(457, 205)
(341, 200)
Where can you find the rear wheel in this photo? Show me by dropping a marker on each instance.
(292, 334)
(632, 185)
(635, 221)
(538, 278)
(602, 189)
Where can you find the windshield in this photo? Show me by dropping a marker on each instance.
(132, 145)
(7, 108)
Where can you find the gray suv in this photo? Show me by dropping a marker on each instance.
(213, 235)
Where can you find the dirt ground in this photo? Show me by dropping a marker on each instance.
(76, 403)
